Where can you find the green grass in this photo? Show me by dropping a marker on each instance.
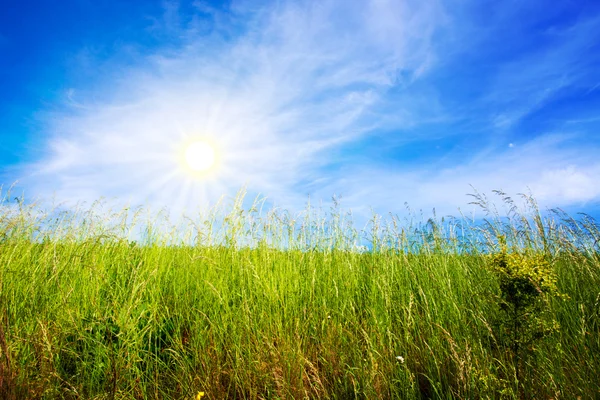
(257, 305)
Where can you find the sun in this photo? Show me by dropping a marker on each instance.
(199, 156)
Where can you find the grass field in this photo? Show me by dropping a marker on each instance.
(247, 304)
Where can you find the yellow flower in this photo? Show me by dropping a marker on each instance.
(200, 395)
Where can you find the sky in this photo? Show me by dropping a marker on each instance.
(376, 102)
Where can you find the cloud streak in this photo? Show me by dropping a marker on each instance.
(282, 90)
(298, 81)
(553, 168)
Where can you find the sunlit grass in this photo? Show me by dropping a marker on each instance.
(241, 303)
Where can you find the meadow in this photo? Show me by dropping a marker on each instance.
(244, 303)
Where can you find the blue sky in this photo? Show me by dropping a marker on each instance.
(380, 102)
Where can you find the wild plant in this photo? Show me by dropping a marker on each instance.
(527, 284)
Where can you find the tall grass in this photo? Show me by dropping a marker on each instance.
(246, 303)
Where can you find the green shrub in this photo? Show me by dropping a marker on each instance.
(527, 284)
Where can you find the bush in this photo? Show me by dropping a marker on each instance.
(527, 284)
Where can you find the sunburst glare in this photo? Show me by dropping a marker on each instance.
(199, 156)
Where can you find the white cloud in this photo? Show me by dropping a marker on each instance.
(569, 184)
(279, 90)
(296, 83)
(554, 170)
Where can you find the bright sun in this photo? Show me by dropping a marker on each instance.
(199, 156)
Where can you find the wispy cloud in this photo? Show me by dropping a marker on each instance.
(300, 79)
(524, 85)
(553, 168)
(285, 90)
